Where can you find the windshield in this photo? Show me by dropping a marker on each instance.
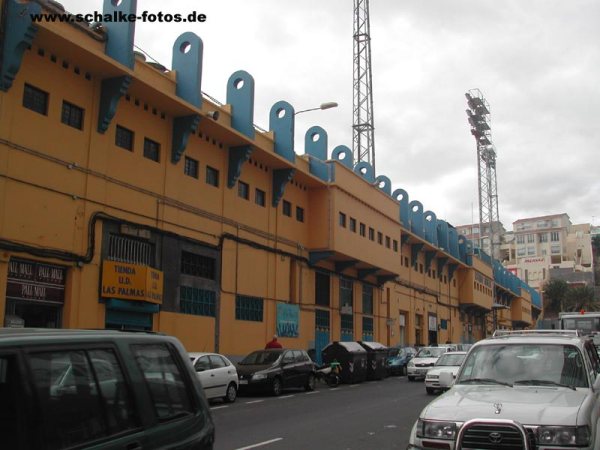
(430, 352)
(534, 364)
(450, 360)
(262, 358)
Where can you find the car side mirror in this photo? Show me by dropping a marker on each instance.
(446, 379)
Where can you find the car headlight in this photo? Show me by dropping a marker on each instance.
(436, 429)
(554, 435)
(259, 376)
(432, 377)
(411, 364)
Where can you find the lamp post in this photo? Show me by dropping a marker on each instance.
(326, 105)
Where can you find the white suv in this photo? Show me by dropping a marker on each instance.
(529, 390)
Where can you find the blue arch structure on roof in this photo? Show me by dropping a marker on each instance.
(431, 227)
(240, 95)
(401, 196)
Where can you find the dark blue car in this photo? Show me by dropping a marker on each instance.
(398, 358)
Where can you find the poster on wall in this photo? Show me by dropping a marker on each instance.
(287, 320)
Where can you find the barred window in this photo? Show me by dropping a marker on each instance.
(198, 265)
(128, 250)
(387, 241)
(352, 224)
(346, 292)
(363, 229)
(248, 308)
(199, 302)
(72, 115)
(371, 234)
(322, 318)
(367, 324)
(347, 323)
(212, 176)
(124, 138)
(151, 149)
(35, 99)
(190, 167)
(287, 208)
(367, 299)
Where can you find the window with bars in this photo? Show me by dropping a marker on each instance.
(287, 208)
(35, 99)
(151, 149)
(387, 242)
(363, 229)
(352, 224)
(346, 292)
(72, 115)
(322, 319)
(198, 265)
(259, 197)
(190, 167)
(367, 325)
(128, 250)
(199, 302)
(212, 176)
(243, 190)
(371, 234)
(379, 237)
(367, 299)
(347, 323)
(124, 138)
(248, 308)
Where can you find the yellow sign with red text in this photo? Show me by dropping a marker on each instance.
(131, 282)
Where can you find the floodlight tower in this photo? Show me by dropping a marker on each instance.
(363, 127)
(489, 220)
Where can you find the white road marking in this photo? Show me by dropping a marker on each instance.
(334, 389)
(254, 401)
(219, 407)
(312, 392)
(260, 444)
(390, 426)
(286, 396)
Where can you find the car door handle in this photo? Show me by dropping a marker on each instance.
(133, 446)
(212, 374)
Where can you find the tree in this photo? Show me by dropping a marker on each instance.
(581, 297)
(555, 291)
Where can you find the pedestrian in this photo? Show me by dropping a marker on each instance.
(273, 343)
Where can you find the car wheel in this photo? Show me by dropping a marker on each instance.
(310, 383)
(231, 393)
(430, 391)
(276, 386)
(411, 378)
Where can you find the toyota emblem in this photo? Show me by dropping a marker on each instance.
(495, 437)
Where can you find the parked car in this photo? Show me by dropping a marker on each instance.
(424, 359)
(448, 362)
(535, 389)
(276, 369)
(103, 389)
(217, 374)
(398, 358)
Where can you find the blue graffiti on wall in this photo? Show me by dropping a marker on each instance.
(287, 320)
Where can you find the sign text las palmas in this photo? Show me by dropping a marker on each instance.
(131, 282)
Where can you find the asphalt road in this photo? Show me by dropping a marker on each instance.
(373, 415)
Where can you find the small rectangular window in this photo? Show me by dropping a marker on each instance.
(387, 242)
(190, 167)
(379, 237)
(151, 149)
(352, 224)
(395, 245)
(212, 176)
(342, 220)
(259, 197)
(199, 302)
(35, 99)
(198, 265)
(72, 115)
(371, 234)
(124, 138)
(243, 190)
(287, 208)
(363, 229)
(367, 299)
(299, 214)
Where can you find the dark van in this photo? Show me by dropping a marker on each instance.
(72, 389)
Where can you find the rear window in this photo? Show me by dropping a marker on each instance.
(164, 379)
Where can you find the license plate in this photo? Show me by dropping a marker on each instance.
(243, 381)
(422, 370)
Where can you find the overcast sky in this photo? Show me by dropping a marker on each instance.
(537, 62)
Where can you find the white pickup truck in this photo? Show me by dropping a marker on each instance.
(529, 390)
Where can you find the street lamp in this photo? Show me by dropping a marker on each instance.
(326, 105)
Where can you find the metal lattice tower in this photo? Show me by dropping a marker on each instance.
(489, 220)
(363, 125)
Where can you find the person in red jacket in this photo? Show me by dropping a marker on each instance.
(273, 343)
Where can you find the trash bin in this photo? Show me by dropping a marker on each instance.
(376, 359)
(352, 358)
